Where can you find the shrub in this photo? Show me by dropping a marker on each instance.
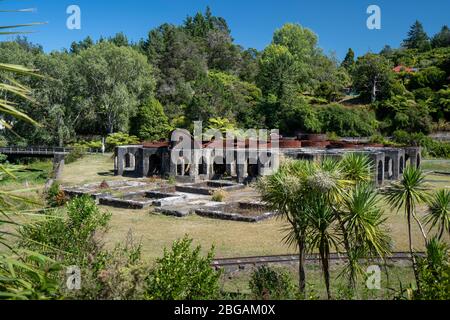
(3, 141)
(267, 283)
(403, 113)
(120, 139)
(430, 147)
(85, 145)
(3, 158)
(431, 77)
(118, 274)
(434, 272)
(70, 239)
(345, 122)
(76, 154)
(433, 275)
(55, 196)
(219, 195)
(183, 274)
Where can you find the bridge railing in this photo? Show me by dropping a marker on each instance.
(42, 150)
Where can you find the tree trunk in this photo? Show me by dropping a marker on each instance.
(374, 91)
(325, 267)
(413, 258)
(301, 267)
(422, 230)
(352, 277)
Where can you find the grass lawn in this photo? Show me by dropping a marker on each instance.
(92, 168)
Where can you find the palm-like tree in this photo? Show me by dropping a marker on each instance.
(283, 192)
(439, 212)
(18, 276)
(357, 167)
(10, 86)
(364, 224)
(317, 200)
(356, 209)
(322, 234)
(407, 194)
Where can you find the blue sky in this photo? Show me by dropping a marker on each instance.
(340, 24)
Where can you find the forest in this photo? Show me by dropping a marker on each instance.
(195, 71)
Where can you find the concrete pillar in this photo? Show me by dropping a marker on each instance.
(145, 156)
(139, 163)
(241, 165)
(165, 167)
(378, 167)
(120, 153)
(58, 165)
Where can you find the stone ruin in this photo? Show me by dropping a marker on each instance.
(209, 161)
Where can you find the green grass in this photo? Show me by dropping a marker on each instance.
(91, 168)
(436, 165)
(36, 172)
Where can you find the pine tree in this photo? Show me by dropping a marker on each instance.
(152, 124)
(349, 60)
(442, 39)
(417, 38)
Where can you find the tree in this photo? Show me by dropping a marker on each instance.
(277, 72)
(438, 215)
(441, 39)
(115, 81)
(349, 60)
(179, 62)
(221, 95)
(328, 204)
(407, 194)
(372, 77)
(362, 222)
(151, 122)
(120, 40)
(322, 235)
(84, 44)
(283, 191)
(417, 38)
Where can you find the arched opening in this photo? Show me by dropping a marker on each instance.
(407, 159)
(180, 169)
(130, 162)
(388, 168)
(219, 166)
(203, 167)
(154, 165)
(402, 165)
(252, 168)
(183, 167)
(380, 172)
(418, 161)
(268, 162)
